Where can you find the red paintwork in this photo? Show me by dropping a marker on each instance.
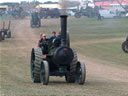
(105, 4)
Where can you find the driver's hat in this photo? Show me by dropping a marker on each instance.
(44, 35)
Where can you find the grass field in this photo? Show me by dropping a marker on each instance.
(99, 34)
(98, 43)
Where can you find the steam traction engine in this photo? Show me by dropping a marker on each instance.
(5, 32)
(61, 60)
(35, 20)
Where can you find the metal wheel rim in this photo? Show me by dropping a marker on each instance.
(8, 33)
(42, 73)
(32, 69)
(79, 74)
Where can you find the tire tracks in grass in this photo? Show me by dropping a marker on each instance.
(96, 41)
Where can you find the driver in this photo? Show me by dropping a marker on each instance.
(43, 43)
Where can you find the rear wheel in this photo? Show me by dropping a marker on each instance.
(0, 36)
(81, 73)
(72, 77)
(44, 73)
(36, 59)
(125, 46)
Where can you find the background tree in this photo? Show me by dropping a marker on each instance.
(120, 3)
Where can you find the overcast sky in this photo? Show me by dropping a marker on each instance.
(1, 1)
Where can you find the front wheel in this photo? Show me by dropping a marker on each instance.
(39, 23)
(77, 15)
(31, 23)
(125, 46)
(2, 35)
(44, 73)
(8, 34)
(81, 73)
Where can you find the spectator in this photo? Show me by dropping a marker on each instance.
(53, 36)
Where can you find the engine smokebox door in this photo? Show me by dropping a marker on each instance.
(63, 56)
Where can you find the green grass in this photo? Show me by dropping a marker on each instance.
(109, 52)
(87, 29)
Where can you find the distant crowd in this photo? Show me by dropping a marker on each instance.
(16, 13)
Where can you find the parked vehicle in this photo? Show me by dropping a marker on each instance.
(52, 13)
(70, 13)
(5, 31)
(107, 14)
(126, 15)
(89, 12)
(35, 20)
